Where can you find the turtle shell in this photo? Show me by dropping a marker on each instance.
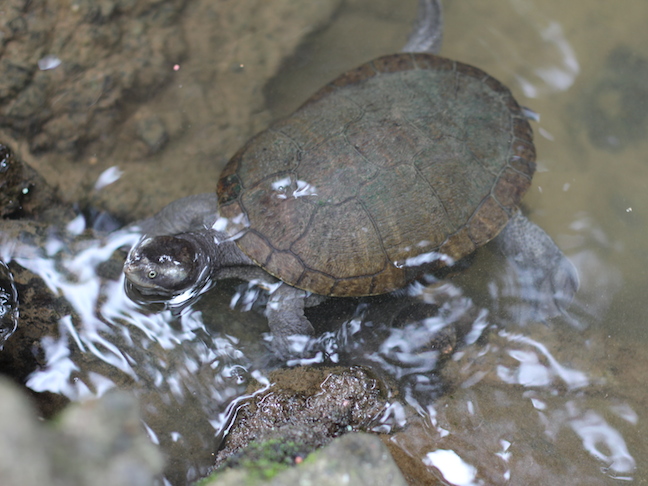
(410, 161)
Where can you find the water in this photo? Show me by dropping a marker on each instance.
(536, 405)
(562, 403)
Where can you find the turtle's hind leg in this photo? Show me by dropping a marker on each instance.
(546, 279)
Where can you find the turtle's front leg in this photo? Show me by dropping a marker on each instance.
(285, 313)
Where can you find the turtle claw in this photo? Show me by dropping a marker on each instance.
(541, 294)
(564, 284)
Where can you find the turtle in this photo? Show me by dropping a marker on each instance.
(403, 165)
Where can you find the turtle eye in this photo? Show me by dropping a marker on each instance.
(152, 274)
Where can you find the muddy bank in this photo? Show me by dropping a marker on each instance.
(120, 81)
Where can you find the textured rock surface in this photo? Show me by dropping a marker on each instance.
(70, 67)
(96, 443)
(305, 406)
(355, 458)
(134, 79)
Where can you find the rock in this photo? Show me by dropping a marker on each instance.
(24, 460)
(305, 407)
(24, 193)
(8, 304)
(359, 459)
(99, 442)
(200, 70)
(103, 442)
(355, 458)
(70, 68)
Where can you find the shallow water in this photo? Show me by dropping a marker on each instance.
(563, 403)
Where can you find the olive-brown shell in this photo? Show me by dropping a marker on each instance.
(408, 159)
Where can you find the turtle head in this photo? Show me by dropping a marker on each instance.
(162, 265)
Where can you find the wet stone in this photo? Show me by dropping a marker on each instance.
(100, 442)
(306, 406)
(23, 192)
(40, 313)
(8, 304)
(354, 458)
(31, 217)
(98, 62)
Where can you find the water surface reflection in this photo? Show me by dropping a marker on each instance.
(449, 363)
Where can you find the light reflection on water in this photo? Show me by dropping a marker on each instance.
(195, 361)
(184, 364)
(175, 364)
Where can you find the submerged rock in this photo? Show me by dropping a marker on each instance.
(71, 67)
(306, 407)
(608, 107)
